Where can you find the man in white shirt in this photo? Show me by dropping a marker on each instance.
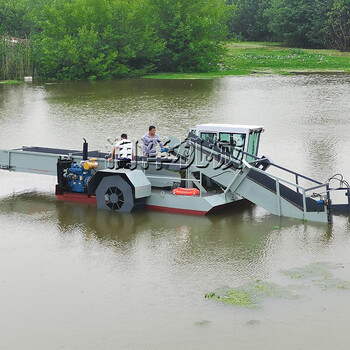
(124, 147)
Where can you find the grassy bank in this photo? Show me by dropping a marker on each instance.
(11, 82)
(270, 58)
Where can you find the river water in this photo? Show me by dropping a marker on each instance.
(73, 277)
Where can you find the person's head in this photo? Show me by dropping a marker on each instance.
(124, 136)
(152, 130)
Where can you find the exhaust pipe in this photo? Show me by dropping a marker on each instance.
(85, 150)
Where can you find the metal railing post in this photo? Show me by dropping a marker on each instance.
(329, 204)
(279, 209)
(297, 181)
(9, 161)
(304, 203)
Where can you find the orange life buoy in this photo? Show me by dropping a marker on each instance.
(186, 191)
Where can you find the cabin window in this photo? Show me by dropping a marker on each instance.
(210, 137)
(232, 143)
(253, 145)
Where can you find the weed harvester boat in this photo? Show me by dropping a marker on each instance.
(216, 165)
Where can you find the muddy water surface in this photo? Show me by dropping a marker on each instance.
(73, 277)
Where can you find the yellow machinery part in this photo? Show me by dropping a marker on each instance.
(90, 164)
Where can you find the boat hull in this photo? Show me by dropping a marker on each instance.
(164, 201)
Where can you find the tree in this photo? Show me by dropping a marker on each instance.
(14, 18)
(299, 22)
(317, 13)
(248, 21)
(338, 28)
(192, 32)
(80, 39)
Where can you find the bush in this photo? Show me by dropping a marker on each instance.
(86, 39)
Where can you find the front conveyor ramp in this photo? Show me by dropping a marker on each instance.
(294, 197)
(279, 199)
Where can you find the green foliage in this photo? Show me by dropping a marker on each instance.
(247, 19)
(296, 22)
(317, 34)
(191, 32)
(338, 25)
(299, 22)
(88, 39)
(85, 39)
(14, 18)
(14, 58)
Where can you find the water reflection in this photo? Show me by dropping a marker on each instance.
(114, 106)
(233, 236)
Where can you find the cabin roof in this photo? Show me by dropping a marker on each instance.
(227, 127)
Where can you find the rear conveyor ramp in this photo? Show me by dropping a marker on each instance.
(42, 160)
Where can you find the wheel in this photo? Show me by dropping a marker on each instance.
(114, 198)
(114, 193)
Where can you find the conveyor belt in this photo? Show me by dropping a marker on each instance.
(287, 193)
(61, 151)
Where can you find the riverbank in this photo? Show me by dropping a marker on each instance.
(10, 82)
(259, 58)
(270, 58)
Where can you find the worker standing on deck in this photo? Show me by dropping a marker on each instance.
(150, 141)
(124, 147)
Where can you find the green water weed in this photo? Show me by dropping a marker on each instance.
(318, 269)
(251, 295)
(202, 323)
(233, 297)
(319, 274)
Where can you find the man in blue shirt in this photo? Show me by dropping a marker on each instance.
(150, 141)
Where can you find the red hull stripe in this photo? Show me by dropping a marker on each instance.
(176, 210)
(83, 198)
(76, 197)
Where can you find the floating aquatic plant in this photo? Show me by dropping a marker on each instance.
(251, 295)
(233, 297)
(202, 323)
(319, 274)
(319, 269)
(332, 283)
(253, 322)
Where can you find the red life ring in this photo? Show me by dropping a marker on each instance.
(186, 191)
